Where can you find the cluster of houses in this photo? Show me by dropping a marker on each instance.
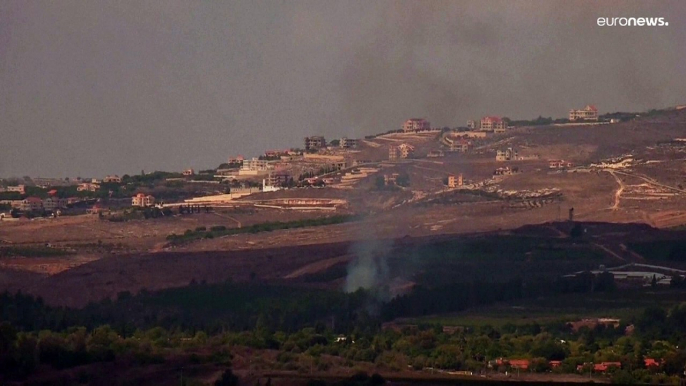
(37, 204)
(318, 142)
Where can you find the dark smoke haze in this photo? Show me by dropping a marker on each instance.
(98, 87)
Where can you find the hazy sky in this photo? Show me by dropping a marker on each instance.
(89, 88)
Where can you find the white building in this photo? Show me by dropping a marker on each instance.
(588, 113)
(142, 200)
(255, 166)
(88, 187)
(21, 189)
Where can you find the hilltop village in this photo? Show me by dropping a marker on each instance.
(387, 159)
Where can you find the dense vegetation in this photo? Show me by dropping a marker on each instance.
(33, 251)
(306, 327)
(220, 230)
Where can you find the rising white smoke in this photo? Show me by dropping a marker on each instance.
(369, 270)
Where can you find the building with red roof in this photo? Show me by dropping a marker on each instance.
(521, 364)
(650, 362)
(604, 366)
(493, 124)
(588, 113)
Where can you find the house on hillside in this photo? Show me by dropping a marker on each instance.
(348, 143)
(459, 145)
(405, 150)
(455, 181)
(588, 113)
(416, 124)
(509, 154)
(141, 200)
(495, 124)
(315, 143)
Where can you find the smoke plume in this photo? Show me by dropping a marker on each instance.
(369, 270)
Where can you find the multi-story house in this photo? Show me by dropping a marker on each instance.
(142, 200)
(416, 124)
(31, 204)
(255, 166)
(348, 143)
(588, 113)
(509, 154)
(405, 150)
(392, 152)
(315, 142)
(493, 124)
(54, 203)
(455, 181)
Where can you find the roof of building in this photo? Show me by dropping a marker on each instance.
(605, 365)
(591, 107)
(492, 119)
(521, 363)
